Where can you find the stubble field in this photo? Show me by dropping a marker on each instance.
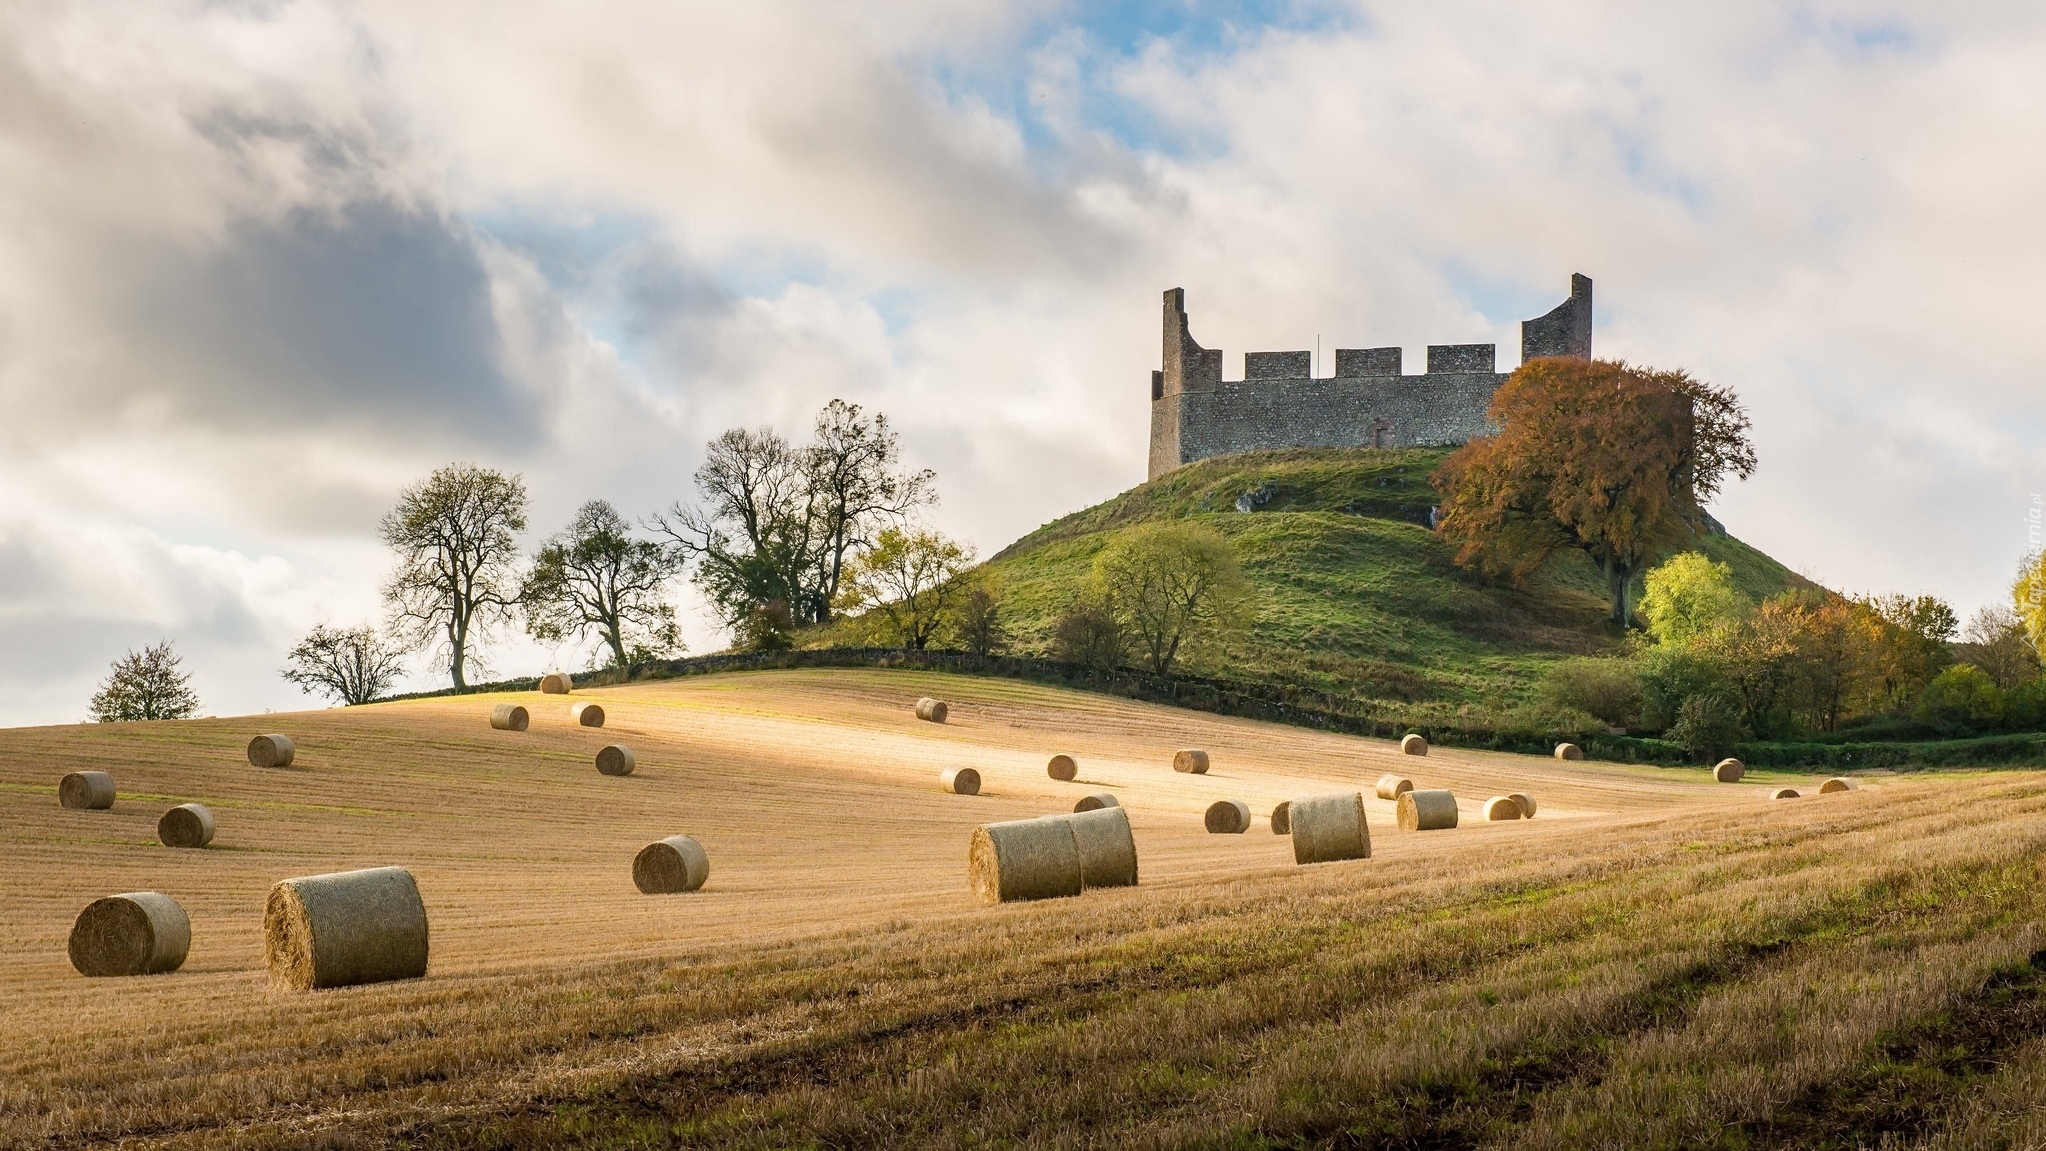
(1656, 960)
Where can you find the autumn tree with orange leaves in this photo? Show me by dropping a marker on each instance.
(1594, 456)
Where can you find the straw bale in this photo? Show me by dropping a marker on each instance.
(140, 933)
(509, 717)
(1569, 751)
(959, 781)
(1394, 786)
(1427, 810)
(1282, 818)
(345, 928)
(1413, 744)
(1228, 817)
(1096, 802)
(86, 790)
(1025, 859)
(1729, 771)
(1526, 802)
(556, 683)
(1838, 783)
(1327, 828)
(1784, 793)
(186, 825)
(271, 751)
(670, 866)
(588, 713)
(614, 759)
(1063, 768)
(1108, 851)
(933, 710)
(1503, 807)
(1190, 761)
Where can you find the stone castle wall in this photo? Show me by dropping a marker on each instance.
(1369, 402)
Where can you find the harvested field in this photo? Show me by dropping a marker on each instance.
(1657, 960)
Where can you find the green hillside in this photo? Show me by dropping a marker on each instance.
(1354, 593)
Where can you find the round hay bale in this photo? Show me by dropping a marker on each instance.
(1327, 828)
(1108, 852)
(1526, 802)
(1503, 807)
(932, 710)
(186, 825)
(670, 866)
(1569, 751)
(271, 751)
(1784, 793)
(960, 781)
(1096, 802)
(1394, 786)
(345, 928)
(1063, 768)
(1427, 810)
(556, 683)
(1228, 817)
(509, 717)
(614, 759)
(1413, 744)
(587, 713)
(1190, 761)
(1282, 818)
(1024, 859)
(1729, 771)
(140, 933)
(1839, 783)
(86, 790)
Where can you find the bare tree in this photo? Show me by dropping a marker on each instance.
(596, 577)
(854, 470)
(145, 684)
(455, 535)
(349, 665)
(753, 538)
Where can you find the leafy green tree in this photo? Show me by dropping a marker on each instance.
(595, 576)
(1687, 595)
(1592, 456)
(456, 537)
(1708, 725)
(2028, 599)
(145, 684)
(348, 665)
(1171, 584)
(909, 580)
(1962, 696)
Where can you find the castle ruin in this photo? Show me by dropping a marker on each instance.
(1368, 403)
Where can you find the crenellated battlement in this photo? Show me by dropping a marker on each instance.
(1368, 402)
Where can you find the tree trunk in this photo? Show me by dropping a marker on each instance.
(1618, 576)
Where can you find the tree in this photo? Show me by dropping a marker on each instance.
(349, 665)
(856, 483)
(1962, 696)
(1908, 646)
(2028, 599)
(1087, 633)
(1687, 595)
(911, 580)
(1594, 456)
(978, 622)
(1832, 674)
(145, 684)
(1995, 641)
(1171, 583)
(594, 576)
(777, 522)
(455, 535)
(1758, 656)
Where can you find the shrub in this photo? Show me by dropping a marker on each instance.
(1608, 689)
(1088, 633)
(2024, 706)
(1708, 725)
(1962, 696)
(1671, 675)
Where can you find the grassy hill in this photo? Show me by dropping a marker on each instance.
(1354, 593)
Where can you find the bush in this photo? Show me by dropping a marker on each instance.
(1963, 696)
(1671, 675)
(1088, 633)
(2024, 706)
(1609, 689)
(1708, 725)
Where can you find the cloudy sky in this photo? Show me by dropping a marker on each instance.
(263, 263)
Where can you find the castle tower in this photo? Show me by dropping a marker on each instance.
(1565, 331)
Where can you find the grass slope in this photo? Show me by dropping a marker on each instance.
(1355, 594)
(1654, 961)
